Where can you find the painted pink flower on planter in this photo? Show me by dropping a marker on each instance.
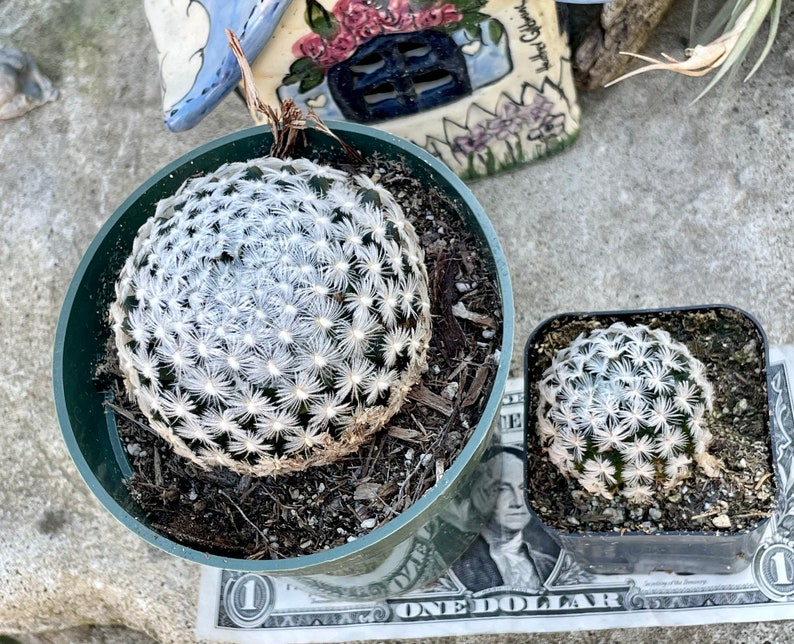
(353, 22)
(337, 34)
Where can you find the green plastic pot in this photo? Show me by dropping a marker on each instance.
(412, 549)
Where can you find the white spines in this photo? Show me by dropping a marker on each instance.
(272, 315)
(622, 410)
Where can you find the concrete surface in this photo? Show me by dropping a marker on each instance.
(657, 204)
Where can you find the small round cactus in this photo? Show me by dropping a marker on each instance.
(623, 410)
(273, 315)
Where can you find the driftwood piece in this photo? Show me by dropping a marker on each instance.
(600, 32)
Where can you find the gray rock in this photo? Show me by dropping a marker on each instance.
(22, 85)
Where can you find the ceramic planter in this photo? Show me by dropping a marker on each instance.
(627, 552)
(412, 549)
(485, 86)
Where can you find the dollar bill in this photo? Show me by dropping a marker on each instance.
(496, 592)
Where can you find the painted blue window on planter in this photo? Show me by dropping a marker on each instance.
(397, 74)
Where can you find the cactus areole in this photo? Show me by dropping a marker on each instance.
(273, 315)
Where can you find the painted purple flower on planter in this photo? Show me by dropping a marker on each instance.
(509, 122)
(552, 125)
(476, 140)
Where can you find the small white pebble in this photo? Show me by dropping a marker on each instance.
(721, 521)
(613, 515)
(655, 513)
(450, 391)
(133, 449)
(368, 524)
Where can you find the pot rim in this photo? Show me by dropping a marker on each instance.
(407, 520)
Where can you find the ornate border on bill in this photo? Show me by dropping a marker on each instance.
(556, 596)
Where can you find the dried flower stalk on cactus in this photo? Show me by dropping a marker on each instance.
(273, 315)
(624, 410)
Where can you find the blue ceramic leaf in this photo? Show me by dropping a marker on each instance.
(197, 67)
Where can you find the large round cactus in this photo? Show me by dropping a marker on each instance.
(623, 410)
(272, 315)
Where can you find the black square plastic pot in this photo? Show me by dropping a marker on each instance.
(627, 552)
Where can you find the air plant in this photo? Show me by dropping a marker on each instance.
(274, 313)
(729, 37)
(624, 410)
